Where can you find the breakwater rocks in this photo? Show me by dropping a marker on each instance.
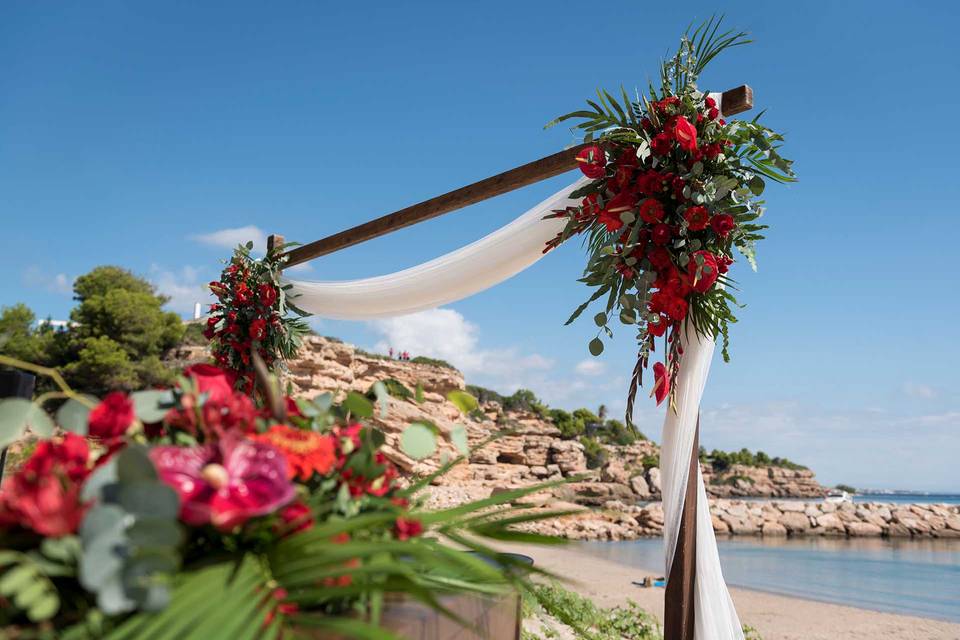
(619, 521)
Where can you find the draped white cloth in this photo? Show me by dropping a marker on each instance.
(714, 614)
(454, 276)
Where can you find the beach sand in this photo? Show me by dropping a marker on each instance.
(774, 617)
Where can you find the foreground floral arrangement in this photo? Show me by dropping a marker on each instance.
(193, 512)
(675, 190)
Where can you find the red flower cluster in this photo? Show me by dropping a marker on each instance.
(44, 496)
(245, 315)
(647, 199)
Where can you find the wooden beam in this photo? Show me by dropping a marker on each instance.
(680, 597)
(733, 101)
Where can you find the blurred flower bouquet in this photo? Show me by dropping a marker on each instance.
(194, 513)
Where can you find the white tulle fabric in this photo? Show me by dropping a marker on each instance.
(715, 616)
(451, 277)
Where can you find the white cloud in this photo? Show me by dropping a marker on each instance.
(920, 391)
(183, 287)
(446, 334)
(59, 283)
(590, 367)
(230, 238)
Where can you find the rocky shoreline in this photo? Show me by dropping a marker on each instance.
(767, 518)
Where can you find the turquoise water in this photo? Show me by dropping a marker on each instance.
(915, 577)
(910, 498)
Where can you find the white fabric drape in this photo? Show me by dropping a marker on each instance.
(451, 277)
(714, 613)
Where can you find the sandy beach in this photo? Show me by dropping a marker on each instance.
(774, 617)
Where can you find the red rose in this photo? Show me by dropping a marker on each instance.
(711, 151)
(661, 382)
(661, 144)
(650, 183)
(44, 495)
(592, 162)
(406, 528)
(697, 218)
(678, 184)
(714, 113)
(669, 101)
(110, 419)
(625, 271)
(661, 234)
(659, 257)
(622, 176)
(702, 276)
(258, 329)
(267, 294)
(211, 380)
(651, 211)
(723, 263)
(685, 134)
(658, 328)
(710, 102)
(722, 224)
(676, 308)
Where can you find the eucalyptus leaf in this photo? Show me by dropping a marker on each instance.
(596, 346)
(458, 436)
(151, 406)
(463, 401)
(13, 419)
(73, 415)
(418, 441)
(358, 405)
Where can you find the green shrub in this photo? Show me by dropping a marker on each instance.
(650, 460)
(594, 452)
(590, 622)
(193, 335)
(723, 460)
(436, 362)
(396, 389)
(845, 487)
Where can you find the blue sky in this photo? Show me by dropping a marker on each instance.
(140, 134)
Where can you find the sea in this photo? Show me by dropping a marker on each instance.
(919, 577)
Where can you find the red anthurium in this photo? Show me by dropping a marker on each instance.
(661, 382)
(592, 162)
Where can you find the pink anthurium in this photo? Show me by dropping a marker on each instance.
(227, 483)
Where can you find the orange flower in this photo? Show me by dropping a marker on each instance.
(307, 452)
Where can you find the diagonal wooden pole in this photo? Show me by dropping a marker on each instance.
(732, 101)
(680, 596)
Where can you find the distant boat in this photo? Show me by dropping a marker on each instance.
(836, 496)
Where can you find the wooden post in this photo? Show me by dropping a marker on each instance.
(732, 102)
(274, 242)
(14, 384)
(680, 596)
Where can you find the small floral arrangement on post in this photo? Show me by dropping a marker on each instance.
(194, 513)
(675, 191)
(252, 308)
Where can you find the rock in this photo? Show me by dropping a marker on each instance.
(830, 523)
(773, 529)
(863, 529)
(795, 522)
(719, 526)
(640, 486)
(653, 478)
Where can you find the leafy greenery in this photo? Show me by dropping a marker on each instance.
(594, 452)
(723, 460)
(845, 487)
(436, 362)
(116, 337)
(589, 622)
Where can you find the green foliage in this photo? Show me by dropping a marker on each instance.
(100, 364)
(651, 460)
(845, 487)
(594, 452)
(723, 460)
(588, 621)
(193, 335)
(436, 362)
(26, 585)
(396, 389)
(19, 338)
(463, 400)
(520, 400)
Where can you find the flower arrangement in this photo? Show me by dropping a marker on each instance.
(252, 309)
(674, 192)
(195, 513)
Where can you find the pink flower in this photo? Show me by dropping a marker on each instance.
(226, 483)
